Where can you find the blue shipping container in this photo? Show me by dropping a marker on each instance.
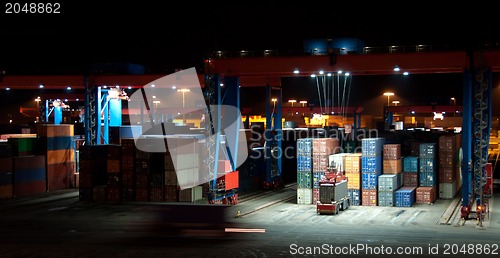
(304, 163)
(371, 164)
(355, 196)
(60, 143)
(304, 146)
(369, 181)
(428, 165)
(405, 197)
(317, 177)
(410, 164)
(427, 179)
(428, 150)
(372, 146)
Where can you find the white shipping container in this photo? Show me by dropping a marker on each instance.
(337, 161)
(304, 195)
(388, 182)
(447, 190)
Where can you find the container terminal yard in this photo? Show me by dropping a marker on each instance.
(257, 153)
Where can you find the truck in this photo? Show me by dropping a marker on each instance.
(333, 197)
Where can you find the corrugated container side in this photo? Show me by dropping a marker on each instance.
(447, 190)
(428, 151)
(447, 174)
(388, 182)
(410, 164)
(304, 179)
(304, 196)
(338, 161)
(392, 166)
(304, 163)
(405, 196)
(60, 176)
(425, 194)
(52, 130)
(371, 164)
(427, 179)
(353, 163)
(372, 146)
(316, 178)
(369, 197)
(354, 196)
(320, 163)
(354, 180)
(392, 151)
(448, 143)
(410, 179)
(428, 165)
(369, 181)
(386, 198)
(315, 197)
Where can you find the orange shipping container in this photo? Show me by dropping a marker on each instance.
(369, 197)
(392, 166)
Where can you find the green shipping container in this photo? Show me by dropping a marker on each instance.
(23, 146)
(304, 179)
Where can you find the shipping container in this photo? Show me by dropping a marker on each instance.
(369, 181)
(354, 180)
(425, 194)
(353, 163)
(447, 174)
(54, 130)
(337, 161)
(315, 195)
(449, 143)
(448, 159)
(405, 196)
(428, 151)
(427, 179)
(389, 182)
(410, 164)
(428, 165)
(354, 196)
(6, 191)
(30, 175)
(304, 147)
(371, 164)
(304, 163)
(372, 146)
(392, 166)
(304, 179)
(410, 179)
(304, 195)
(392, 151)
(320, 163)
(386, 198)
(325, 146)
(24, 146)
(447, 190)
(369, 197)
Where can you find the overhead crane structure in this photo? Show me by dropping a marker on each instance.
(476, 66)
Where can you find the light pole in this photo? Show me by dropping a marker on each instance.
(395, 102)
(37, 100)
(388, 94)
(183, 91)
(292, 101)
(454, 101)
(303, 102)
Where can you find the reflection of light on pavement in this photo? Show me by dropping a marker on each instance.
(246, 230)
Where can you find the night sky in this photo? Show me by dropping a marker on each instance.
(165, 36)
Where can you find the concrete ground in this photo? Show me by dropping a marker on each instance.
(59, 225)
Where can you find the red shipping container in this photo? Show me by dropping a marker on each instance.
(6, 191)
(369, 197)
(171, 193)
(392, 151)
(315, 197)
(426, 194)
(447, 174)
(325, 146)
(410, 179)
(448, 159)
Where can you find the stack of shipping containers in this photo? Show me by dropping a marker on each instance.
(322, 148)
(353, 174)
(127, 171)
(391, 179)
(6, 177)
(371, 168)
(304, 171)
(448, 165)
(57, 145)
(410, 171)
(29, 174)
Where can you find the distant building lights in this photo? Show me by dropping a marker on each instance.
(347, 74)
(339, 72)
(313, 75)
(152, 85)
(329, 74)
(173, 87)
(68, 88)
(129, 87)
(406, 73)
(40, 86)
(321, 72)
(396, 68)
(296, 71)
